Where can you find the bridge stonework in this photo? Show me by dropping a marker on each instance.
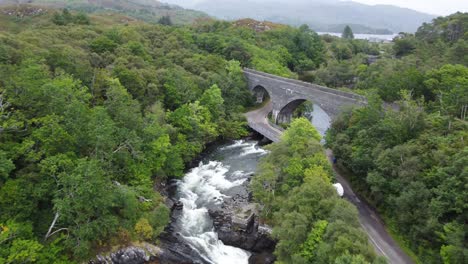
(286, 94)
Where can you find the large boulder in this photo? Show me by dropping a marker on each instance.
(129, 255)
(175, 253)
(240, 228)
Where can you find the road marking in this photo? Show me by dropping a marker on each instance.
(374, 242)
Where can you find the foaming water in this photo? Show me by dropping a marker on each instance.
(205, 186)
(252, 149)
(237, 144)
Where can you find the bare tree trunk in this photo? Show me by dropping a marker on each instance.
(51, 226)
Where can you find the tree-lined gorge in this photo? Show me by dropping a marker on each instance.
(98, 108)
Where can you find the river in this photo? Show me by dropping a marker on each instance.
(206, 186)
(219, 175)
(370, 37)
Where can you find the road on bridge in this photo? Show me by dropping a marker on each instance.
(258, 120)
(369, 219)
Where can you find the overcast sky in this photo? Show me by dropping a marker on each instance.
(436, 7)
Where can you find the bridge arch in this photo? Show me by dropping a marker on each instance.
(318, 116)
(285, 115)
(287, 94)
(261, 94)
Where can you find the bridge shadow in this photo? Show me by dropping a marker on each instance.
(261, 94)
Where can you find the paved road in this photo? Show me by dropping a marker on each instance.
(258, 120)
(372, 224)
(369, 219)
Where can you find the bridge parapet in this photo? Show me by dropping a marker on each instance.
(266, 131)
(310, 85)
(287, 94)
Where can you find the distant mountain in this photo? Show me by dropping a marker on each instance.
(320, 15)
(148, 10)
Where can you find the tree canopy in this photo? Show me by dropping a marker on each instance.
(347, 33)
(310, 221)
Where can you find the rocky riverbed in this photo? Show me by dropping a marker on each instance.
(213, 210)
(237, 223)
(213, 219)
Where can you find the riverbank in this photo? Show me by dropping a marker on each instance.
(211, 210)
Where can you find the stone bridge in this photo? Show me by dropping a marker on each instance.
(287, 94)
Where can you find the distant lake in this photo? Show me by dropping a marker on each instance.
(371, 37)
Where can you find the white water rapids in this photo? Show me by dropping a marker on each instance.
(220, 174)
(205, 186)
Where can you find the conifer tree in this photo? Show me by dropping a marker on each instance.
(347, 33)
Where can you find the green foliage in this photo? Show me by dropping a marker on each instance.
(347, 33)
(447, 29)
(314, 238)
(406, 64)
(454, 250)
(408, 163)
(102, 44)
(17, 245)
(449, 84)
(165, 20)
(143, 229)
(6, 166)
(24, 251)
(293, 184)
(405, 44)
(346, 61)
(213, 100)
(94, 110)
(92, 113)
(66, 18)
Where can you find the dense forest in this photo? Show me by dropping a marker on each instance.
(95, 109)
(311, 222)
(410, 160)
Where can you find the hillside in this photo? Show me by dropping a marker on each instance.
(147, 10)
(320, 15)
(257, 26)
(97, 109)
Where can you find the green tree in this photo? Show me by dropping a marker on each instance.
(347, 33)
(314, 238)
(404, 44)
(81, 19)
(311, 223)
(123, 109)
(83, 203)
(449, 85)
(165, 20)
(213, 101)
(102, 44)
(24, 251)
(6, 166)
(144, 229)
